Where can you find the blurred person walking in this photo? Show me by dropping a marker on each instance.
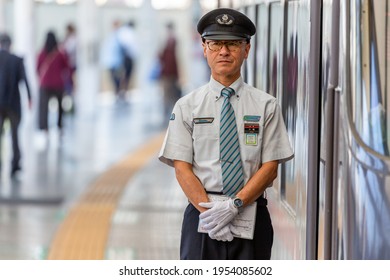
(69, 46)
(12, 72)
(169, 74)
(128, 44)
(112, 57)
(53, 68)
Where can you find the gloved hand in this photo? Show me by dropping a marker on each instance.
(219, 214)
(224, 234)
(227, 233)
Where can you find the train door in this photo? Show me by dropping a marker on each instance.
(288, 80)
(286, 245)
(354, 207)
(364, 177)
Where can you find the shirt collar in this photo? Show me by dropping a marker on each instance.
(216, 87)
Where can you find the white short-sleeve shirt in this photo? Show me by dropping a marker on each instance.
(193, 132)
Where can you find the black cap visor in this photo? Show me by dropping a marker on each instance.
(219, 36)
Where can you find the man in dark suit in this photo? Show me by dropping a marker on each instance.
(12, 72)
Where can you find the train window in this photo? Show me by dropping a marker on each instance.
(370, 75)
(249, 66)
(262, 47)
(275, 63)
(275, 60)
(289, 103)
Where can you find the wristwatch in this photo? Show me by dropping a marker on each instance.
(237, 202)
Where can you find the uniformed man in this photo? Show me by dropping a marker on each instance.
(225, 141)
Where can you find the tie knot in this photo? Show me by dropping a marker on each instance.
(227, 92)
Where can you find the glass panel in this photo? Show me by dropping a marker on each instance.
(370, 77)
(289, 102)
(366, 180)
(387, 76)
(249, 64)
(275, 67)
(275, 63)
(262, 47)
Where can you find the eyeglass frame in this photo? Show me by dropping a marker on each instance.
(224, 43)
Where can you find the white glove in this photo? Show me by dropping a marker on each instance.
(227, 233)
(223, 234)
(219, 214)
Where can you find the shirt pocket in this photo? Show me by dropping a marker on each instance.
(206, 141)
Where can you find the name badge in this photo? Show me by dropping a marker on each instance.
(250, 118)
(251, 139)
(251, 128)
(251, 131)
(203, 120)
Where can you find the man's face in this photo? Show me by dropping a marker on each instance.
(225, 58)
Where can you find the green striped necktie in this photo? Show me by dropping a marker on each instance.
(232, 175)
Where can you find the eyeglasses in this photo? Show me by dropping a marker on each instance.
(216, 46)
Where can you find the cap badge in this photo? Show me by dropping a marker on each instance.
(225, 19)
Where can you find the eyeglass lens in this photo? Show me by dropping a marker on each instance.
(218, 45)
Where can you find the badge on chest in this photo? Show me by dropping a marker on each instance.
(251, 129)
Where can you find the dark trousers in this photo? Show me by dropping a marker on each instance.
(116, 78)
(14, 123)
(121, 76)
(199, 246)
(128, 70)
(44, 98)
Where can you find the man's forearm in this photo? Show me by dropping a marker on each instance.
(190, 184)
(259, 182)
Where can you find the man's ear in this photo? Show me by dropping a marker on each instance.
(204, 49)
(247, 48)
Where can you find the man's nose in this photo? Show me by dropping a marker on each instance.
(225, 49)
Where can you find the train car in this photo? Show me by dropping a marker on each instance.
(328, 63)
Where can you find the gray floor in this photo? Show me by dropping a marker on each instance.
(57, 169)
(147, 223)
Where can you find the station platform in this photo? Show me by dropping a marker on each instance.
(95, 190)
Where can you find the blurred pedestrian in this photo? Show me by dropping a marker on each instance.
(69, 46)
(112, 57)
(128, 43)
(53, 68)
(169, 74)
(12, 72)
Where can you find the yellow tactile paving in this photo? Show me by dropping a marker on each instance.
(84, 232)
